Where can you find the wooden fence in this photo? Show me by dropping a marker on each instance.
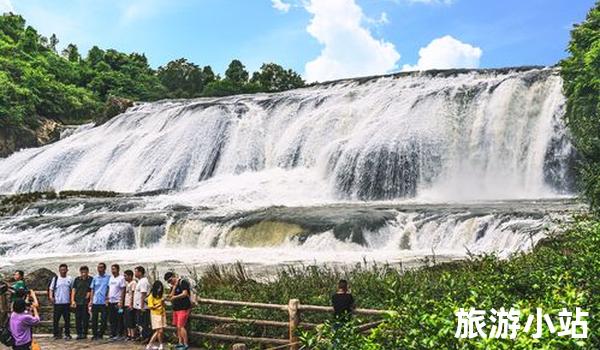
(294, 310)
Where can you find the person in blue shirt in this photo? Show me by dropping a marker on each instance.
(99, 301)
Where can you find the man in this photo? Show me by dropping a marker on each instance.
(343, 303)
(180, 298)
(80, 298)
(18, 288)
(99, 301)
(59, 294)
(139, 302)
(116, 298)
(22, 322)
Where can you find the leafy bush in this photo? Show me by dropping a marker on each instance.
(559, 273)
(581, 74)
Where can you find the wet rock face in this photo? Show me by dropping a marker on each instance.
(14, 139)
(39, 279)
(113, 107)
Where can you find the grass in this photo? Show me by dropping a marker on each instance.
(561, 272)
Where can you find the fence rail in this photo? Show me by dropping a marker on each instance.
(294, 310)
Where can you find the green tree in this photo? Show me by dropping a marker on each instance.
(273, 77)
(53, 42)
(71, 53)
(209, 75)
(581, 74)
(95, 56)
(237, 73)
(182, 78)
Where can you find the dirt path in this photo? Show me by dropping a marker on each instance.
(47, 343)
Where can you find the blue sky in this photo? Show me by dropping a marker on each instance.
(322, 39)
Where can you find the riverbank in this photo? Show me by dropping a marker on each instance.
(561, 272)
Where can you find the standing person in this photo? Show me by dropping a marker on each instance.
(80, 299)
(130, 314)
(98, 301)
(140, 294)
(116, 297)
(59, 294)
(343, 303)
(18, 288)
(22, 322)
(156, 303)
(180, 297)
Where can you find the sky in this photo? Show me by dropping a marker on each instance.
(321, 39)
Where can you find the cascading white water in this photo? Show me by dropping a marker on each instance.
(477, 135)
(229, 163)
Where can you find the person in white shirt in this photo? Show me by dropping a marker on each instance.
(116, 299)
(59, 294)
(130, 312)
(140, 304)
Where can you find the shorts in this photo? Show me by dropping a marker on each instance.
(130, 318)
(158, 321)
(180, 318)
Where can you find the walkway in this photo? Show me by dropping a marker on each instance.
(48, 343)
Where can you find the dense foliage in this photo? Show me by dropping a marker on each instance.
(35, 80)
(581, 74)
(561, 272)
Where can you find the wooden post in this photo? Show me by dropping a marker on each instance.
(4, 307)
(294, 322)
(239, 347)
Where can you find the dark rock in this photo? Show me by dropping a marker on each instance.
(39, 279)
(13, 139)
(112, 108)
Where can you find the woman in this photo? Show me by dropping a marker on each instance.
(22, 322)
(156, 304)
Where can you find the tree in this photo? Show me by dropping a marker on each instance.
(581, 74)
(71, 53)
(237, 73)
(95, 56)
(53, 42)
(209, 75)
(182, 78)
(273, 77)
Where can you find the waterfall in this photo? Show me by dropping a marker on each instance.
(451, 162)
(479, 134)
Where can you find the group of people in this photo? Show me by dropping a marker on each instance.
(132, 307)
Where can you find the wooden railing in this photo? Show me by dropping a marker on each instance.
(294, 310)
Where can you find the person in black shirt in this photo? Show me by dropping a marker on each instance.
(180, 297)
(80, 298)
(343, 302)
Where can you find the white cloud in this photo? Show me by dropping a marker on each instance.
(445, 53)
(6, 6)
(280, 5)
(349, 49)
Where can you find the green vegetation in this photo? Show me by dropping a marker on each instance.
(581, 74)
(561, 272)
(35, 80)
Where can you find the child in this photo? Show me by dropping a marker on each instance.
(156, 303)
(130, 312)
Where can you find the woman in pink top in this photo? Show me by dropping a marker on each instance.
(22, 322)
